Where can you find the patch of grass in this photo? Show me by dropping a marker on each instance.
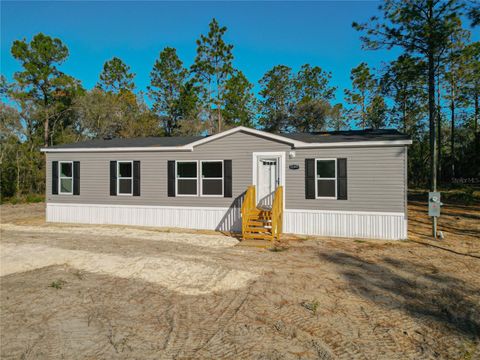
(58, 284)
(464, 196)
(456, 194)
(34, 198)
(278, 248)
(24, 199)
(311, 305)
(359, 241)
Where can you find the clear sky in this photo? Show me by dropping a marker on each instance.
(264, 34)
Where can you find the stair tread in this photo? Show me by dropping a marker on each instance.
(259, 221)
(259, 230)
(258, 236)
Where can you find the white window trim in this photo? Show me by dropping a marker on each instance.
(319, 178)
(189, 178)
(216, 178)
(60, 177)
(126, 178)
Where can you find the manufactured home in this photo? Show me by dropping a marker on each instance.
(344, 183)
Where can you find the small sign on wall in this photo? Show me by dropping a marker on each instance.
(294, 167)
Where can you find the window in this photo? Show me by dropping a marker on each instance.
(124, 178)
(212, 178)
(187, 178)
(326, 176)
(65, 177)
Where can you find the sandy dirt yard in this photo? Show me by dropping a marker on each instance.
(114, 292)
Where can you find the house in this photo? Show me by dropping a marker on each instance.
(345, 183)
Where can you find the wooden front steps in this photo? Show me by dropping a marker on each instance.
(258, 225)
(262, 223)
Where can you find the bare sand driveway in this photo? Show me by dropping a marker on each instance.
(107, 292)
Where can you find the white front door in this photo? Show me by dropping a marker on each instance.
(268, 179)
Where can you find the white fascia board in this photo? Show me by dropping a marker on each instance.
(117, 149)
(247, 130)
(355, 144)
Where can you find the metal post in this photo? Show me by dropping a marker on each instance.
(434, 205)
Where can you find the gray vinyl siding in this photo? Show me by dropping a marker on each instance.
(375, 178)
(376, 175)
(95, 172)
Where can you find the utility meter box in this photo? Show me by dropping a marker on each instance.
(434, 204)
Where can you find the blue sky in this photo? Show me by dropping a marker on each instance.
(264, 34)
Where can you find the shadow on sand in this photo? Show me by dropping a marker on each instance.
(419, 290)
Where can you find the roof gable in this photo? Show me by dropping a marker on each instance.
(255, 132)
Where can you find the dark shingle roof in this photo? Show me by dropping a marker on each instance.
(347, 136)
(317, 137)
(135, 142)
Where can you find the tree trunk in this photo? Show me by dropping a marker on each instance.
(17, 188)
(475, 125)
(452, 135)
(46, 124)
(364, 115)
(219, 110)
(431, 120)
(477, 95)
(46, 129)
(219, 115)
(439, 130)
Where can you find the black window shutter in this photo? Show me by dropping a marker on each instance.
(55, 177)
(136, 178)
(310, 179)
(227, 178)
(342, 179)
(171, 178)
(113, 178)
(76, 178)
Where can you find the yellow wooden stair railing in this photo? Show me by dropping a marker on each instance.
(260, 223)
(277, 214)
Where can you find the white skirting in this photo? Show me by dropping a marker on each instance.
(205, 218)
(357, 224)
(353, 224)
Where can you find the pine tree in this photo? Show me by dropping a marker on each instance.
(167, 81)
(363, 86)
(421, 28)
(337, 118)
(312, 83)
(313, 94)
(41, 81)
(239, 101)
(212, 68)
(402, 84)
(277, 99)
(116, 77)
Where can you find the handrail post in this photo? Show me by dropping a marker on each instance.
(247, 205)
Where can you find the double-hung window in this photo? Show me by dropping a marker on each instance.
(124, 177)
(65, 177)
(212, 178)
(187, 176)
(326, 178)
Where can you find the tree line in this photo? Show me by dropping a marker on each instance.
(431, 92)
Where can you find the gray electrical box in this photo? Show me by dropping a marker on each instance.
(434, 204)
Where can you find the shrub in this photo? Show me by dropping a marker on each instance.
(58, 284)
